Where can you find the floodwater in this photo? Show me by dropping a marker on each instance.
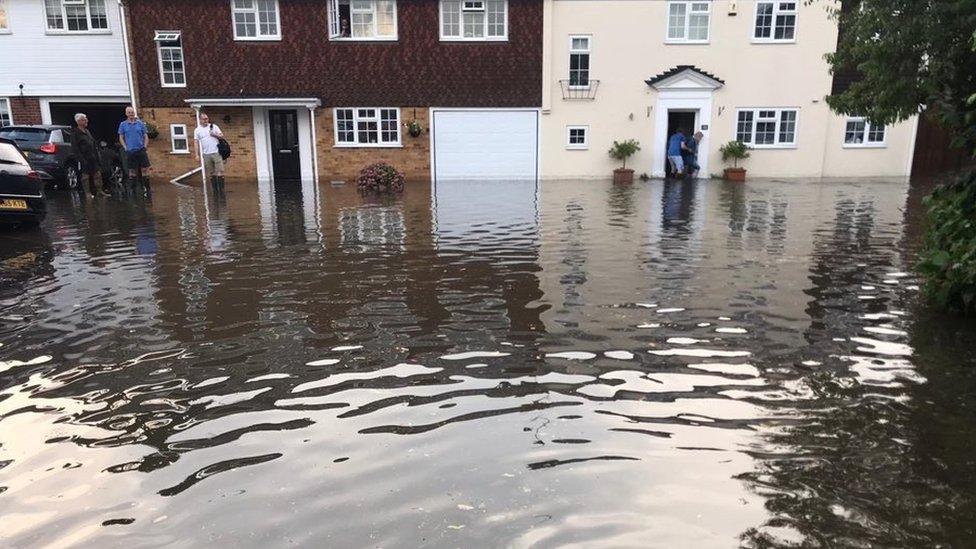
(483, 365)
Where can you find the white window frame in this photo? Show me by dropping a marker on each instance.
(589, 55)
(865, 144)
(585, 145)
(159, 56)
(460, 37)
(173, 137)
(335, 25)
(355, 144)
(234, 10)
(687, 24)
(776, 12)
(6, 108)
(5, 8)
(88, 18)
(779, 123)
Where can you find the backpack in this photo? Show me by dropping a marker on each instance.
(223, 147)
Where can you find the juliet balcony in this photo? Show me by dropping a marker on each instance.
(579, 91)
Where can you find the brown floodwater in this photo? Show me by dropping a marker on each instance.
(491, 364)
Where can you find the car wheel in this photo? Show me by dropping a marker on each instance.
(71, 177)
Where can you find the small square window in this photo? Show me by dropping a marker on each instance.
(577, 137)
(178, 139)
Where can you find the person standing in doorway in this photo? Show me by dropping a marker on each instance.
(207, 137)
(676, 144)
(134, 137)
(86, 151)
(690, 154)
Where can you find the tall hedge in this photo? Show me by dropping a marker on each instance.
(948, 258)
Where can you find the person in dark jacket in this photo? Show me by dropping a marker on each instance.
(86, 152)
(689, 153)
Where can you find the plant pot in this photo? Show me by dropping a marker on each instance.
(622, 175)
(735, 174)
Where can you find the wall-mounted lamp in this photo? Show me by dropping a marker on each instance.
(733, 8)
(721, 110)
(631, 116)
(21, 90)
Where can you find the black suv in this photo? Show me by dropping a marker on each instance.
(48, 149)
(21, 189)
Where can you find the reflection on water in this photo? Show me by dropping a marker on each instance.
(482, 364)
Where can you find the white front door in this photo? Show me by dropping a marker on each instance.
(690, 101)
(485, 144)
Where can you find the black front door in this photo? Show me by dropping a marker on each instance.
(284, 145)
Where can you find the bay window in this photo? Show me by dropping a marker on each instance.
(367, 127)
(76, 15)
(362, 20)
(770, 128)
(474, 20)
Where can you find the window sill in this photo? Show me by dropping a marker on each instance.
(866, 146)
(384, 39)
(6, 31)
(179, 153)
(477, 40)
(771, 147)
(686, 42)
(577, 148)
(173, 85)
(258, 39)
(767, 41)
(368, 146)
(78, 33)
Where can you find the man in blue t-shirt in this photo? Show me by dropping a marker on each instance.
(676, 144)
(134, 137)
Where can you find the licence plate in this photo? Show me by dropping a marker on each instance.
(11, 204)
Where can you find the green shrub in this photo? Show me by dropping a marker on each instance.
(948, 257)
(623, 151)
(734, 151)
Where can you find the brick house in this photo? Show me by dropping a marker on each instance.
(319, 88)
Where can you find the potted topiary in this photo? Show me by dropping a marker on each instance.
(735, 151)
(623, 151)
(380, 177)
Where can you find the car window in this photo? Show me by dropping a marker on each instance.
(9, 153)
(26, 135)
(56, 137)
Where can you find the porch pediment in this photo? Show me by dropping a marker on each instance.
(685, 77)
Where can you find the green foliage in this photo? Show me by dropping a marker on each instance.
(151, 130)
(623, 151)
(948, 259)
(734, 151)
(905, 54)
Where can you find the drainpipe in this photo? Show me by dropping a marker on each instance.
(128, 58)
(315, 152)
(547, 56)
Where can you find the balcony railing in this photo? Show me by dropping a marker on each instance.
(576, 92)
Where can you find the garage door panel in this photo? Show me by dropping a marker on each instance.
(482, 145)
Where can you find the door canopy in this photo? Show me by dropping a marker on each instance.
(685, 77)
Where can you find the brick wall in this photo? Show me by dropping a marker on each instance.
(337, 163)
(25, 110)
(239, 132)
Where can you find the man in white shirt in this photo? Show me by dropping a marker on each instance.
(207, 140)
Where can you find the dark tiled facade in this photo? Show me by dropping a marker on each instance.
(416, 69)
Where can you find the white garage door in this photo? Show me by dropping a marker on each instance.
(482, 145)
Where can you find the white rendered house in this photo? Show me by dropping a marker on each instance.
(752, 70)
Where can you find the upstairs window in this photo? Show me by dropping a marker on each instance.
(775, 22)
(474, 20)
(169, 46)
(4, 24)
(688, 21)
(362, 20)
(256, 19)
(859, 132)
(76, 15)
(367, 127)
(579, 61)
(769, 128)
(6, 118)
